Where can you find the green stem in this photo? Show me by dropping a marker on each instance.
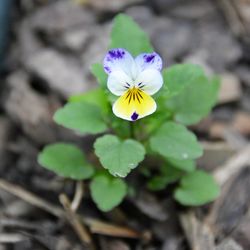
(132, 130)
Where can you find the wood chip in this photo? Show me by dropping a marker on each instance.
(198, 234)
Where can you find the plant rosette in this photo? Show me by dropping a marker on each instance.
(138, 110)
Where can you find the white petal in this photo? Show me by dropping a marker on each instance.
(119, 82)
(149, 61)
(120, 59)
(150, 81)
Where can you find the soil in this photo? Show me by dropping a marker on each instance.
(48, 52)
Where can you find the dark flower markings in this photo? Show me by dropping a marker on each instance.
(134, 116)
(134, 94)
(107, 69)
(116, 54)
(149, 58)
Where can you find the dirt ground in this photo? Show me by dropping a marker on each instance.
(53, 43)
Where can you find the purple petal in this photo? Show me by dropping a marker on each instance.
(118, 59)
(149, 61)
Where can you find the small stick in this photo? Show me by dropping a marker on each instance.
(233, 17)
(232, 166)
(73, 219)
(198, 234)
(103, 228)
(77, 197)
(96, 226)
(11, 238)
(31, 198)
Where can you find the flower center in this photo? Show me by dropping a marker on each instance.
(134, 94)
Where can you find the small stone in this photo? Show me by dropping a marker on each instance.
(200, 57)
(27, 40)
(241, 123)
(242, 233)
(172, 243)
(244, 74)
(29, 109)
(150, 206)
(6, 128)
(172, 39)
(217, 129)
(60, 16)
(230, 90)
(188, 9)
(141, 14)
(118, 245)
(223, 49)
(215, 154)
(111, 5)
(62, 74)
(75, 39)
(18, 208)
(228, 244)
(98, 47)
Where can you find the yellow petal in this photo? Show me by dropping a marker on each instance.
(134, 104)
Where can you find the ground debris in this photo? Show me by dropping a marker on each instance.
(228, 245)
(61, 74)
(230, 90)
(33, 112)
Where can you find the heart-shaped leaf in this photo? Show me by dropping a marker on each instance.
(173, 140)
(82, 117)
(186, 165)
(177, 77)
(96, 97)
(124, 27)
(196, 188)
(107, 191)
(119, 157)
(65, 160)
(195, 101)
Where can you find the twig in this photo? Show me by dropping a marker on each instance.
(198, 234)
(100, 227)
(31, 198)
(77, 197)
(232, 166)
(225, 176)
(233, 17)
(96, 226)
(11, 238)
(73, 219)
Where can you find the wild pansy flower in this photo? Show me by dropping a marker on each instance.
(134, 80)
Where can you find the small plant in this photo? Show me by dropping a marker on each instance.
(138, 110)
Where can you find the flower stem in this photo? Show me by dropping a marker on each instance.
(132, 130)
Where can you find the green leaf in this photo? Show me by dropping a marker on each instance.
(195, 101)
(120, 126)
(107, 192)
(175, 141)
(177, 77)
(128, 35)
(167, 176)
(98, 71)
(185, 165)
(96, 96)
(119, 157)
(196, 188)
(154, 121)
(65, 160)
(82, 117)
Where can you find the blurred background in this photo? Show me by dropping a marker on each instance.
(46, 50)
